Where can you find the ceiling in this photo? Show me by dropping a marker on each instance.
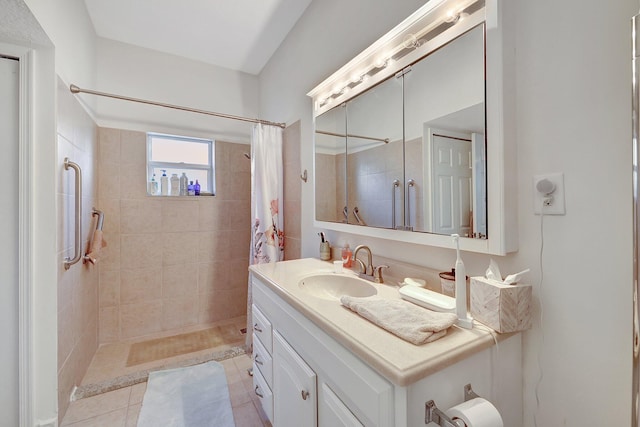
(237, 34)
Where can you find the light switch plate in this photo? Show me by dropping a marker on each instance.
(549, 204)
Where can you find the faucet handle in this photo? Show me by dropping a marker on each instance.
(377, 273)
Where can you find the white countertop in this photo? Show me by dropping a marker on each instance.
(397, 360)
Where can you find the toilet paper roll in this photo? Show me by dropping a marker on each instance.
(476, 412)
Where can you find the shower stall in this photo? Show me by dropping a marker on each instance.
(171, 283)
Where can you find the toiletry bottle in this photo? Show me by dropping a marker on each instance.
(153, 186)
(346, 256)
(196, 188)
(184, 183)
(175, 184)
(164, 183)
(191, 191)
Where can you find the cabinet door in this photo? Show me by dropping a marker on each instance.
(294, 387)
(332, 412)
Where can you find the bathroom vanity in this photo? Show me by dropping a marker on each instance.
(317, 363)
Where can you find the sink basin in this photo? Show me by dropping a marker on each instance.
(333, 286)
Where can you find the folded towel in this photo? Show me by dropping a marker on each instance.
(95, 246)
(408, 321)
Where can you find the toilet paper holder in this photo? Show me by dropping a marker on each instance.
(433, 414)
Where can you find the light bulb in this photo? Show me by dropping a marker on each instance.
(381, 63)
(452, 16)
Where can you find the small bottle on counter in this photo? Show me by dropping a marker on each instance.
(191, 191)
(346, 256)
(175, 184)
(184, 183)
(196, 188)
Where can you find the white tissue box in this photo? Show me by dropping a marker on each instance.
(503, 308)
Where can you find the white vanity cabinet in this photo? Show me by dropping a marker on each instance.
(262, 361)
(332, 368)
(295, 382)
(316, 381)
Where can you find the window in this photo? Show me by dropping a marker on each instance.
(177, 154)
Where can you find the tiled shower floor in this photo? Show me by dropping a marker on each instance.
(120, 407)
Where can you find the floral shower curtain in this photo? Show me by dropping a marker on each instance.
(267, 232)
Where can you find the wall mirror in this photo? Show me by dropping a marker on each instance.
(410, 135)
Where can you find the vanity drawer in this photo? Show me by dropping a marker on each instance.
(263, 361)
(263, 392)
(262, 328)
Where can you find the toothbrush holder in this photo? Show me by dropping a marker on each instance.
(325, 251)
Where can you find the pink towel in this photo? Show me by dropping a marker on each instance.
(95, 247)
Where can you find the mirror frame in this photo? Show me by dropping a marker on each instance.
(498, 17)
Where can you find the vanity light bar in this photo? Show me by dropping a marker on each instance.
(431, 20)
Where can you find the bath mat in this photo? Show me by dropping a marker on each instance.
(162, 348)
(196, 396)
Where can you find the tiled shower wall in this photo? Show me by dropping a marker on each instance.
(78, 286)
(171, 262)
(292, 190)
(370, 176)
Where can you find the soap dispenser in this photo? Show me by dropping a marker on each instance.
(164, 183)
(346, 256)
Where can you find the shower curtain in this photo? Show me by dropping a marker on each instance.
(267, 232)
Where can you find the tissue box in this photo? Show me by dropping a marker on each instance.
(503, 308)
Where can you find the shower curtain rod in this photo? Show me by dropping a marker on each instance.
(75, 89)
(350, 135)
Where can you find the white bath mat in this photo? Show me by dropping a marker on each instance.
(195, 396)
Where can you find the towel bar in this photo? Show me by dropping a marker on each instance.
(68, 262)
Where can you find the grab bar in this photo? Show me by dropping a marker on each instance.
(410, 183)
(356, 211)
(68, 262)
(396, 184)
(100, 214)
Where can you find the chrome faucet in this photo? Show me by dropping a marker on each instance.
(368, 271)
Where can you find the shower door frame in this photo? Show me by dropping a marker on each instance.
(635, 403)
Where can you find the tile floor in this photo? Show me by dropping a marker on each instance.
(120, 408)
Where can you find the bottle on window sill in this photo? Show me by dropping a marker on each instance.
(184, 183)
(164, 181)
(196, 188)
(191, 190)
(175, 184)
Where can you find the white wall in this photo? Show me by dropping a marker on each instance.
(143, 73)
(69, 27)
(574, 116)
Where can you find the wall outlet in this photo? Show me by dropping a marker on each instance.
(548, 194)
